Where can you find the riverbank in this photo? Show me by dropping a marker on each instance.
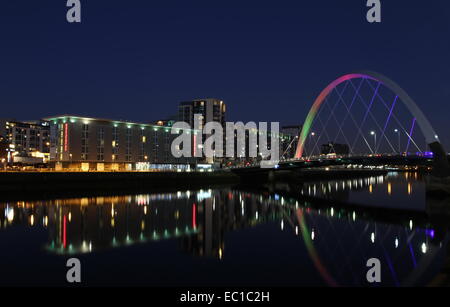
(42, 185)
(45, 185)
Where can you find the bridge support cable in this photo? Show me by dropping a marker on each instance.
(349, 114)
(387, 122)
(356, 110)
(289, 147)
(409, 135)
(340, 124)
(324, 126)
(370, 113)
(359, 127)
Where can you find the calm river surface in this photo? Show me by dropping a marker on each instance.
(228, 236)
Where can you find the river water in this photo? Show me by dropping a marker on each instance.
(230, 236)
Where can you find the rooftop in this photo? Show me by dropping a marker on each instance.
(75, 118)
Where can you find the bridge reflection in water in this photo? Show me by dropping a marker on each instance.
(406, 187)
(338, 239)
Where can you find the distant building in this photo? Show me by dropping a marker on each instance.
(26, 139)
(4, 146)
(105, 144)
(289, 141)
(332, 148)
(211, 110)
(244, 157)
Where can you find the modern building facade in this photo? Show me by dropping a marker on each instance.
(211, 110)
(104, 144)
(287, 142)
(26, 139)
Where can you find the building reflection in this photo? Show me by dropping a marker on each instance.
(199, 221)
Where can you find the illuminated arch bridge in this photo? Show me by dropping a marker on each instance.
(365, 113)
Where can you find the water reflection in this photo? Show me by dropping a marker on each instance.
(400, 190)
(198, 218)
(337, 239)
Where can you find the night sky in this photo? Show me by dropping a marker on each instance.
(268, 60)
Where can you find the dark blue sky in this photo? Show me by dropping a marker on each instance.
(268, 60)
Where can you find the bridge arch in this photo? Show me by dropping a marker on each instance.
(425, 126)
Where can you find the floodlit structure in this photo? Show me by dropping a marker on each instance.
(82, 143)
(379, 82)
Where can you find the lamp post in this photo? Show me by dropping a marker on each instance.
(399, 144)
(313, 134)
(375, 138)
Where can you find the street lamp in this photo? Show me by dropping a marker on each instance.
(311, 141)
(375, 137)
(399, 144)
